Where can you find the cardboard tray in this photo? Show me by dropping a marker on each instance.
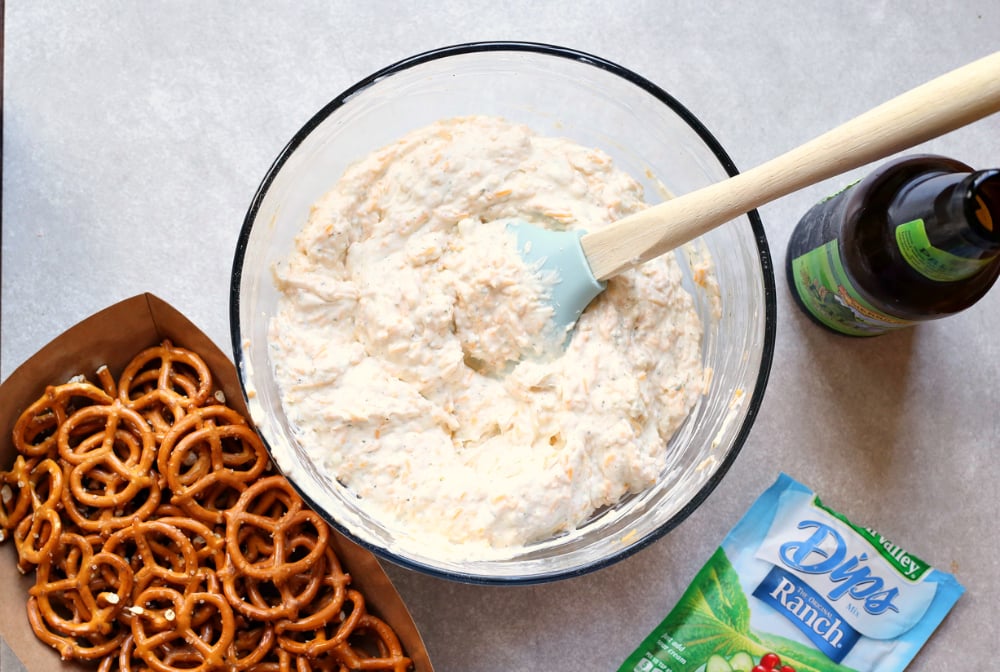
(112, 337)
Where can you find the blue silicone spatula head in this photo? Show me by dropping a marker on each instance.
(560, 253)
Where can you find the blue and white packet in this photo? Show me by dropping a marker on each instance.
(796, 587)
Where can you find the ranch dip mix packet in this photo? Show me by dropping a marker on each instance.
(797, 587)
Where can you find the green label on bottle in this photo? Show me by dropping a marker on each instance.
(929, 261)
(826, 291)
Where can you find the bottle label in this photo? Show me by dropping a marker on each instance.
(929, 261)
(826, 291)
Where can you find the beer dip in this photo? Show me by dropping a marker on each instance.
(414, 350)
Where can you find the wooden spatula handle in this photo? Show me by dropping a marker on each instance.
(932, 109)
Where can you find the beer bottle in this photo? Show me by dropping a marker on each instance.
(917, 239)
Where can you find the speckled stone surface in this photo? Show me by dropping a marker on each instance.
(135, 135)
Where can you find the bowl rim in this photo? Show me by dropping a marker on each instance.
(763, 253)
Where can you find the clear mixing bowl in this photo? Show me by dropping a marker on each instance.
(595, 103)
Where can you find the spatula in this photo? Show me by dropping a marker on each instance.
(584, 261)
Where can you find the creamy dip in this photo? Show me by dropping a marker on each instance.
(412, 344)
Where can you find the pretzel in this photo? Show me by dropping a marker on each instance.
(102, 482)
(92, 587)
(161, 408)
(301, 602)
(125, 661)
(328, 603)
(97, 583)
(328, 636)
(251, 645)
(177, 371)
(103, 521)
(209, 546)
(45, 484)
(390, 652)
(211, 451)
(160, 542)
(15, 496)
(165, 628)
(107, 428)
(159, 553)
(172, 658)
(255, 508)
(34, 431)
(85, 647)
(36, 537)
(107, 452)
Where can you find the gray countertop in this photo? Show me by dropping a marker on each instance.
(135, 135)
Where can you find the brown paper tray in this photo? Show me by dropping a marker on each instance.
(112, 337)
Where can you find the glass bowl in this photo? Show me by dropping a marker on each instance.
(556, 91)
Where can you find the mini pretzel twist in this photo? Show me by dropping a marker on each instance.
(37, 537)
(34, 431)
(211, 450)
(168, 621)
(329, 635)
(162, 409)
(112, 429)
(327, 604)
(108, 451)
(304, 601)
(160, 553)
(252, 644)
(92, 587)
(45, 484)
(254, 509)
(15, 495)
(390, 651)
(209, 546)
(178, 372)
(103, 520)
(70, 647)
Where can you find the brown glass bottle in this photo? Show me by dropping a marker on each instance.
(917, 239)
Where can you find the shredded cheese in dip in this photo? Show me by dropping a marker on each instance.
(412, 343)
